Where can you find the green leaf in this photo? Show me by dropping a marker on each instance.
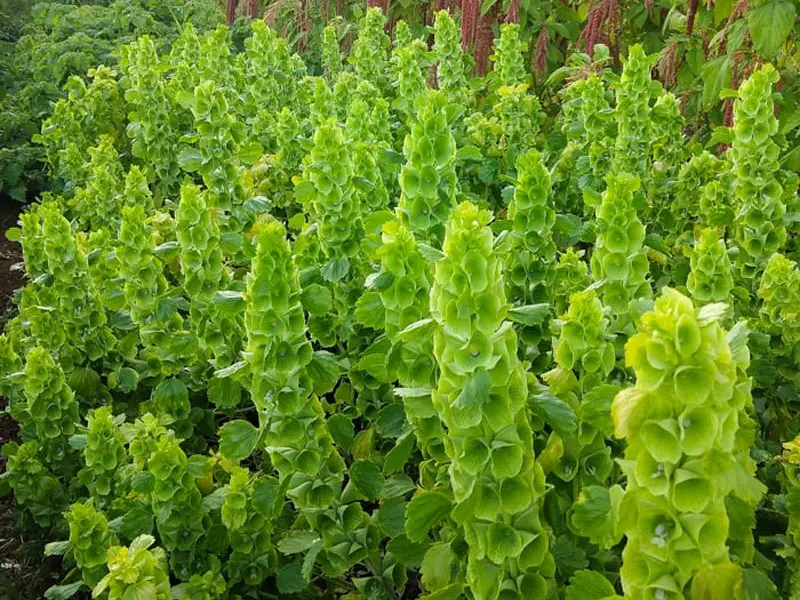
(13, 234)
(404, 550)
(717, 76)
(267, 496)
(553, 411)
(291, 579)
(237, 439)
(190, 159)
(369, 310)
(250, 152)
(396, 486)
(475, 392)
(335, 270)
(423, 512)
(589, 585)
(297, 541)
(595, 514)
(366, 476)
(770, 25)
(309, 560)
(432, 254)
(531, 314)
(167, 251)
(342, 431)
(656, 242)
(137, 521)
(324, 371)
(57, 548)
(229, 302)
(63, 592)
(317, 300)
(391, 517)
(757, 586)
(568, 556)
(596, 408)
(436, 566)
(451, 592)
(396, 457)
(466, 153)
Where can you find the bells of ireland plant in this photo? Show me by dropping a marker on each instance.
(451, 71)
(529, 277)
(369, 54)
(296, 435)
(104, 452)
(408, 71)
(584, 355)
(90, 539)
(596, 114)
(632, 148)
(688, 433)
(779, 291)
(428, 179)
(710, 279)
(135, 569)
(618, 257)
(403, 286)
(509, 56)
(758, 194)
(482, 399)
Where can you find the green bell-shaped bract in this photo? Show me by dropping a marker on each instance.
(296, 435)
(757, 194)
(684, 460)
(481, 398)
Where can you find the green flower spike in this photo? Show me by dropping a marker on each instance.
(688, 434)
(133, 569)
(482, 399)
(632, 148)
(406, 300)
(90, 539)
(369, 54)
(509, 56)
(428, 180)
(297, 437)
(758, 193)
(451, 71)
(619, 258)
(710, 279)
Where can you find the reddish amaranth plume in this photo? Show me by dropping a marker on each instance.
(690, 16)
(484, 38)
(600, 21)
(230, 12)
(251, 8)
(513, 12)
(469, 20)
(668, 65)
(302, 25)
(540, 52)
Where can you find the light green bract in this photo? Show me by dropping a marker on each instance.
(481, 398)
(688, 433)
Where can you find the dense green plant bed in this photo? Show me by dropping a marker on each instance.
(392, 332)
(43, 44)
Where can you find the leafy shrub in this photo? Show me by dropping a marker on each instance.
(343, 335)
